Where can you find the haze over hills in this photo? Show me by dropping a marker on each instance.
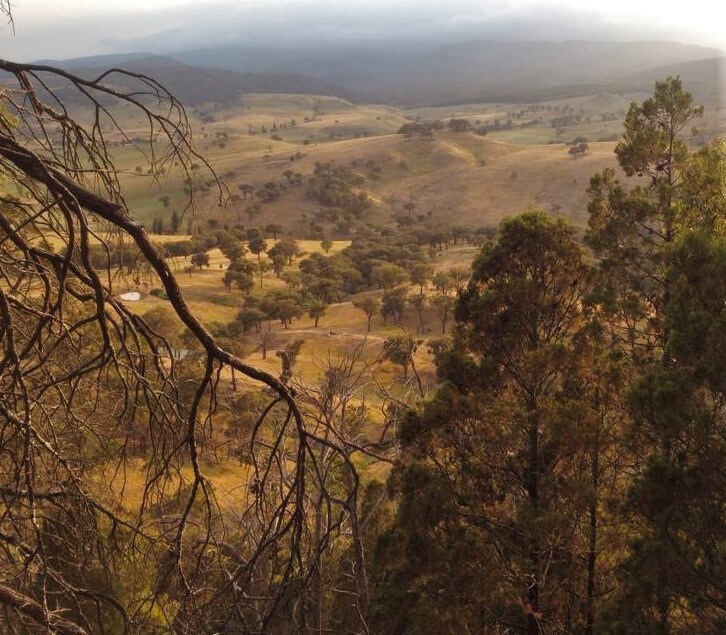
(194, 85)
(473, 71)
(328, 31)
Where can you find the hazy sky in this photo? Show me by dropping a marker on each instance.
(72, 28)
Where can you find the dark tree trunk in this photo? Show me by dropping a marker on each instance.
(533, 493)
(592, 545)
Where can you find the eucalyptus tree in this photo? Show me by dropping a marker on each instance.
(631, 229)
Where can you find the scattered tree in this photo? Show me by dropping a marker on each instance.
(200, 259)
(393, 305)
(388, 275)
(316, 310)
(288, 248)
(257, 245)
(578, 150)
(370, 306)
(444, 306)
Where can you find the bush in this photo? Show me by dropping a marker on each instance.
(223, 300)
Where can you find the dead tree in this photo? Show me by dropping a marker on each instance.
(335, 408)
(91, 538)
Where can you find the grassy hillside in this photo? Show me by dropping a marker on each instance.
(457, 178)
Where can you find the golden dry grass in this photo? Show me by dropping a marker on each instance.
(341, 328)
(457, 177)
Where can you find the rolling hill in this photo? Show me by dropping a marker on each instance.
(256, 126)
(454, 179)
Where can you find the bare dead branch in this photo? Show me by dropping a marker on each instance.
(82, 379)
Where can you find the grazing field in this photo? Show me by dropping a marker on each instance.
(453, 178)
(342, 328)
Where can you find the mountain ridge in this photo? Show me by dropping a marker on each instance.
(464, 72)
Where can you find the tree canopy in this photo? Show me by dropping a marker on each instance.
(566, 476)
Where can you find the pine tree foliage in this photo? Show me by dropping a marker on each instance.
(568, 476)
(495, 479)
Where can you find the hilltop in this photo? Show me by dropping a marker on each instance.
(196, 85)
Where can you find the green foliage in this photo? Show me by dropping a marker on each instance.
(662, 251)
(370, 306)
(175, 222)
(490, 478)
(328, 278)
(673, 567)
(113, 256)
(157, 226)
(444, 306)
(419, 303)
(337, 186)
(200, 259)
(326, 244)
(443, 281)
(421, 129)
(393, 304)
(316, 310)
(400, 350)
(283, 305)
(257, 244)
(420, 274)
(179, 248)
(651, 145)
(288, 357)
(459, 125)
(287, 248)
(273, 230)
(388, 275)
(240, 272)
(579, 149)
(370, 251)
(632, 230)
(233, 249)
(250, 318)
(163, 321)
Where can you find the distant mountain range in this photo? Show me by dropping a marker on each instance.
(196, 85)
(475, 71)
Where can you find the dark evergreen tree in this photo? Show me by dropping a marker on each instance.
(491, 521)
(661, 248)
